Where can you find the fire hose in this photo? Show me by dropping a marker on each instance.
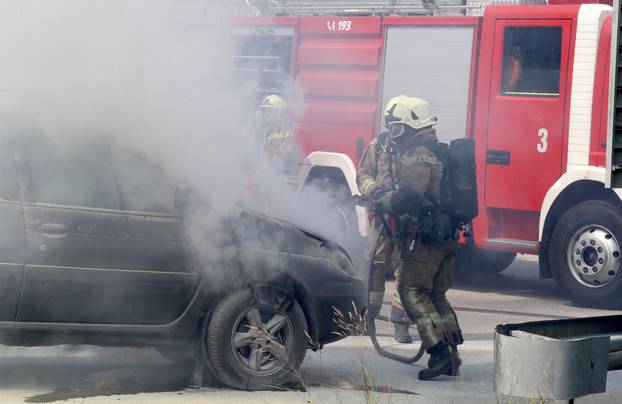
(371, 325)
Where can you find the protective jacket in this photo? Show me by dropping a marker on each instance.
(389, 165)
(281, 148)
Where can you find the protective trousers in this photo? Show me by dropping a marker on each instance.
(384, 257)
(426, 275)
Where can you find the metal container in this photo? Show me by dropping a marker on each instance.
(554, 360)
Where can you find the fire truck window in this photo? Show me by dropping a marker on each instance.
(262, 61)
(531, 61)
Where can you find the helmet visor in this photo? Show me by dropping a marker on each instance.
(389, 117)
(396, 130)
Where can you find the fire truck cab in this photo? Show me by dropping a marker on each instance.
(530, 83)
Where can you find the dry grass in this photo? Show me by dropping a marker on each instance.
(350, 324)
(354, 324)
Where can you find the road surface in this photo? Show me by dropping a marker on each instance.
(334, 375)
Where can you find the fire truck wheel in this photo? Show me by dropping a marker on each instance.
(585, 252)
(254, 345)
(473, 259)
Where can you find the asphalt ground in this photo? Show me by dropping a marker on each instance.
(337, 374)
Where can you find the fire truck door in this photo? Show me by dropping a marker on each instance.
(526, 113)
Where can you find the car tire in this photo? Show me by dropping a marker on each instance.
(254, 358)
(471, 259)
(584, 254)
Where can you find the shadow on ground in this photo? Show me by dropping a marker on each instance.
(81, 375)
(520, 278)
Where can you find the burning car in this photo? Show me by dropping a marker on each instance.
(96, 247)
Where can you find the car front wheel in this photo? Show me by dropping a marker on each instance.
(253, 343)
(585, 254)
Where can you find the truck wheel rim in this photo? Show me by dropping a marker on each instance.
(594, 256)
(262, 341)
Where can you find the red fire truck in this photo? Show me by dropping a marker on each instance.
(530, 83)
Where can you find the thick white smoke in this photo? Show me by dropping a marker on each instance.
(153, 76)
(150, 74)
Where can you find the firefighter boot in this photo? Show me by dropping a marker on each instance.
(402, 335)
(443, 361)
(436, 355)
(455, 369)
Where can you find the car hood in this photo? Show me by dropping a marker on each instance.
(257, 230)
(257, 248)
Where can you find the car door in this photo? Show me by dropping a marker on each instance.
(155, 236)
(11, 233)
(75, 250)
(527, 104)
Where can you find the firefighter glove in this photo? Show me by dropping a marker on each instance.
(383, 203)
(406, 200)
(377, 194)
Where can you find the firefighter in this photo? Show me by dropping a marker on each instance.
(409, 183)
(382, 253)
(280, 147)
(512, 70)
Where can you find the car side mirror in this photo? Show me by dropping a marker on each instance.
(182, 197)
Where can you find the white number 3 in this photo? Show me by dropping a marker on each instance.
(544, 144)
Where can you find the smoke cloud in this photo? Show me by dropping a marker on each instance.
(152, 77)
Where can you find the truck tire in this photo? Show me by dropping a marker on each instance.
(471, 259)
(584, 254)
(255, 345)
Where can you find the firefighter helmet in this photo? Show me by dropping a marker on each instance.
(388, 108)
(273, 101)
(410, 111)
